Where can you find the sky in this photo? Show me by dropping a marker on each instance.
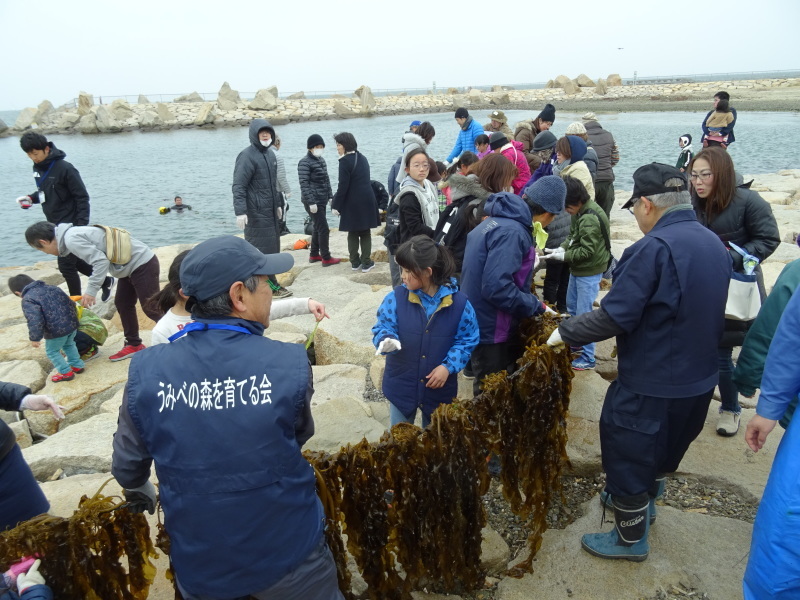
(51, 49)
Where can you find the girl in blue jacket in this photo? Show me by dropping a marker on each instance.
(427, 329)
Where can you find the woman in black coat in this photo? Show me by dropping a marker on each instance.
(355, 202)
(739, 216)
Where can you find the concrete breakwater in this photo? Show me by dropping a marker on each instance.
(229, 109)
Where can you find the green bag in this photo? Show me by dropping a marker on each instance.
(92, 325)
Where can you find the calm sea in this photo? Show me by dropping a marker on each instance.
(130, 175)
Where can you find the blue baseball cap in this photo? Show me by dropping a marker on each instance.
(213, 266)
(415, 123)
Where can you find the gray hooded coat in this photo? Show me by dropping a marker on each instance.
(255, 191)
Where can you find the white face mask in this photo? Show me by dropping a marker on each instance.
(266, 143)
(318, 151)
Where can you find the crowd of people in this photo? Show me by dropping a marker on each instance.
(223, 411)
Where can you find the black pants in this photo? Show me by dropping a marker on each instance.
(141, 285)
(320, 233)
(491, 358)
(556, 282)
(644, 436)
(69, 266)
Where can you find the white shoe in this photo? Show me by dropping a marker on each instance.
(728, 423)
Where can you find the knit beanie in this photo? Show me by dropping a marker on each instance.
(576, 128)
(548, 192)
(548, 113)
(315, 140)
(497, 140)
(462, 113)
(589, 116)
(498, 115)
(544, 140)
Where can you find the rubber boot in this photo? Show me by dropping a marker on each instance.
(628, 539)
(656, 492)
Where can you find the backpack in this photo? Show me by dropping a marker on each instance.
(391, 233)
(118, 244)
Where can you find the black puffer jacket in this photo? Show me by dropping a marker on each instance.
(354, 197)
(749, 223)
(461, 216)
(11, 395)
(315, 184)
(255, 191)
(65, 197)
(558, 230)
(603, 144)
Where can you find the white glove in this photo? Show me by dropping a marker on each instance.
(241, 221)
(548, 310)
(387, 345)
(280, 213)
(38, 402)
(31, 578)
(313, 208)
(24, 201)
(447, 163)
(330, 201)
(142, 498)
(335, 212)
(555, 339)
(554, 254)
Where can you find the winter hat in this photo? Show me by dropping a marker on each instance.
(315, 140)
(497, 140)
(576, 128)
(577, 147)
(544, 140)
(589, 116)
(548, 192)
(498, 115)
(462, 113)
(686, 138)
(415, 123)
(548, 113)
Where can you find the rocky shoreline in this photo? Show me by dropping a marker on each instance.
(230, 109)
(706, 513)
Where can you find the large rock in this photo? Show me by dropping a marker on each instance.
(165, 113)
(476, 96)
(344, 111)
(81, 448)
(364, 95)
(143, 99)
(150, 119)
(106, 123)
(571, 87)
(343, 421)
(680, 546)
(193, 97)
(24, 372)
(87, 124)
(3, 126)
(273, 89)
(121, 109)
(44, 110)
(602, 88)
(500, 98)
(264, 100)
(297, 96)
(560, 81)
(206, 114)
(550, 84)
(495, 553)
(22, 433)
(613, 80)
(85, 103)
(336, 381)
(228, 99)
(584, 80)
(25, 118)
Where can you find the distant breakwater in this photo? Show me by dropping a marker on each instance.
(231, 110)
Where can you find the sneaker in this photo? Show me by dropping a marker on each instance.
(728, 423)
(468, 372)
(281, 292)
(126, 352)
(106, 288)
(367, 267)
(355, 266)
(90, 353)
(313, 258)
(327, 262)
(583, 365)
(59, 377)
(78, 369)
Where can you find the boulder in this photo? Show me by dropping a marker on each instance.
(376, 368)
(613, 80)
(206, 114)
(85, 103)
(336, 381)
(143, 99)
(297, 96)
(342, 421)
(121, 110)
(498, 88)
(601, 88)
(22, 433)
(341, 110)
(24, 372)
(495, 553)
(25, 119)
(561, 80)
(550, 84)
(273, 89)
(87, 123)
(165, 113)
(44, 110)
(500, 99)
(453, 91)
(228, 99)
(476, 96)
(106, 123)
(264, 100)
(149, 119)
(3, 126)
(81, 448)
(570, 87)
(584, 80)
(364, 95)
(193, 97)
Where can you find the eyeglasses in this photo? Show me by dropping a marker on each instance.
(632, 206)
(419, 166)
(704, 176)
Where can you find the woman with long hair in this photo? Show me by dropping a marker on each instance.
(738, 216)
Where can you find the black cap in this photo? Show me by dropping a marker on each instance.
(649, 181)
(315, 140)
(497, 140)
(462, 113)
(213, 266)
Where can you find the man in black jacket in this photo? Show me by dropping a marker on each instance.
(315, 194)
(64, 199)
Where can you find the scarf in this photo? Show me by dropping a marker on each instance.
(427, 197)
(467, 123)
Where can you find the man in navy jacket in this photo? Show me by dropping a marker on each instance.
(666, 309)
(224, 414)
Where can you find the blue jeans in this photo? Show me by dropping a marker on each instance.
(581, 294)
(395, 417)
(727, 390)
(66, 343)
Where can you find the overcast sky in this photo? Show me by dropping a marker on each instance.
(51, 49)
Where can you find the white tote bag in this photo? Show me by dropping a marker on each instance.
(744, 299)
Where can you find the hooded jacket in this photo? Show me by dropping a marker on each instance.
(498, 268)
(315, 184)
(49, 311)
(412, 141)
(60, 189)
(255, 190)
(525, 133)
(513, 152)
(466, 138)
(461, 216)
(585, 247)
(606, 149)
(577, 167)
